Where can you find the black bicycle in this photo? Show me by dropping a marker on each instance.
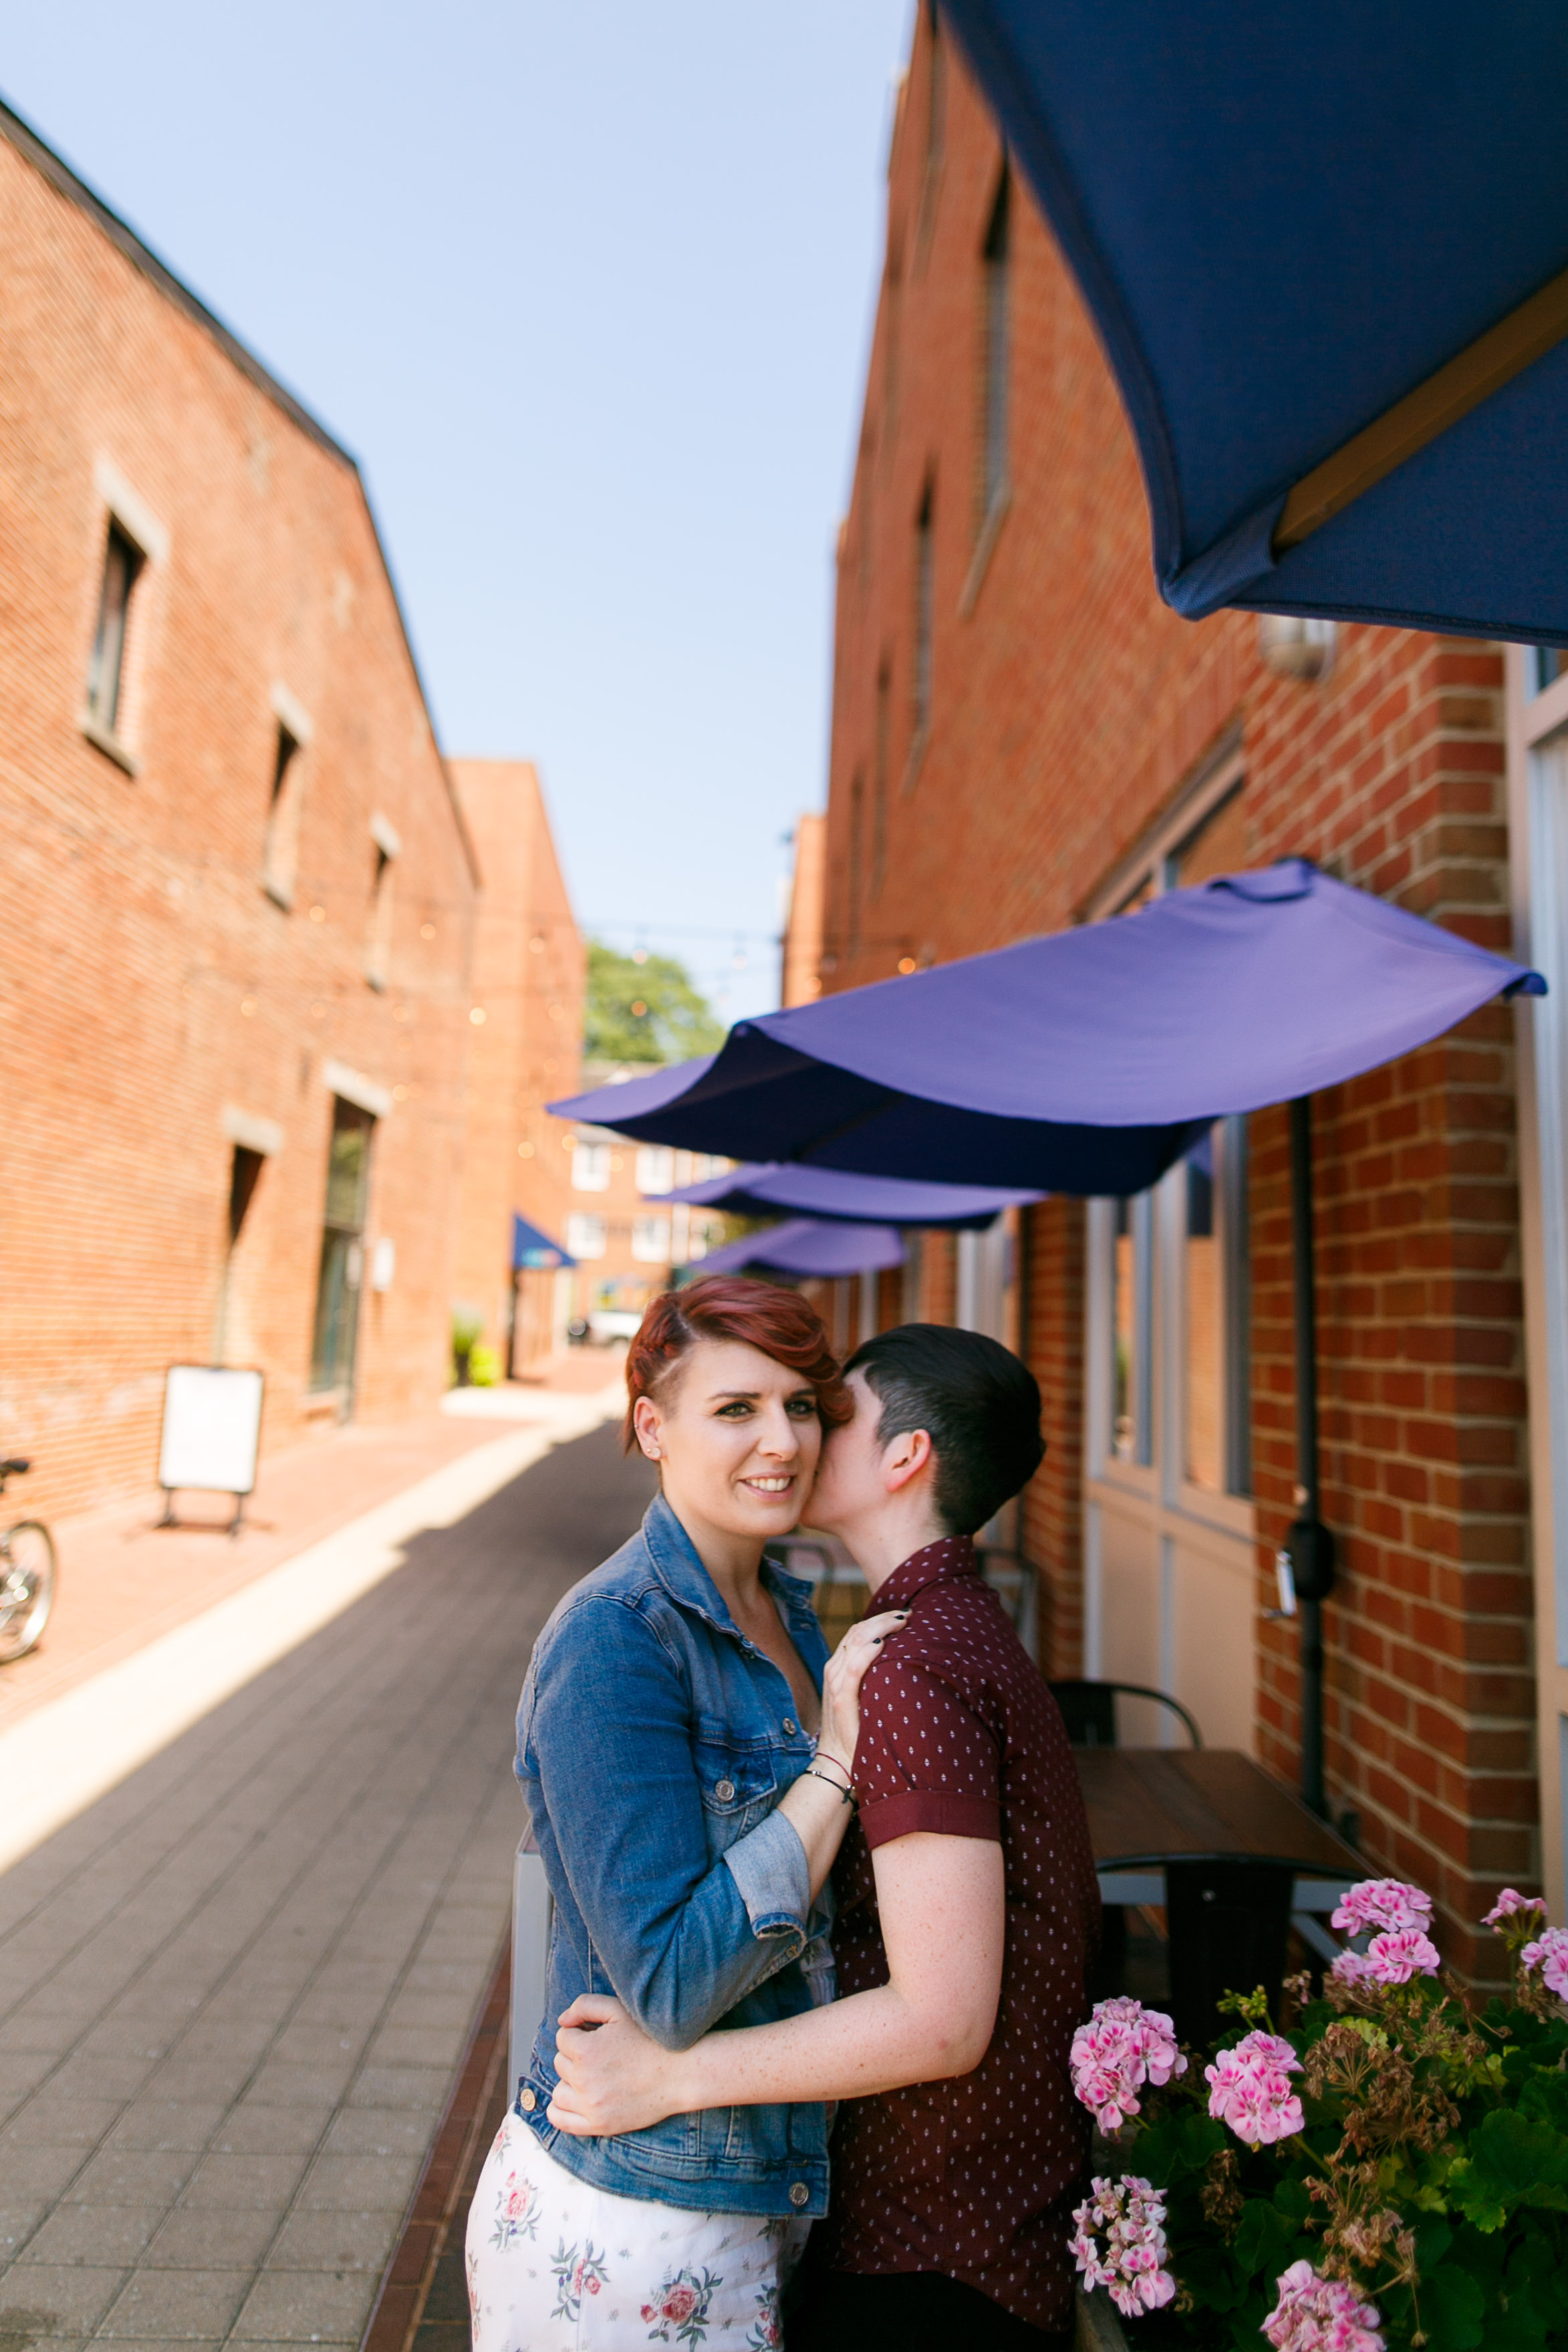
(27, 1577)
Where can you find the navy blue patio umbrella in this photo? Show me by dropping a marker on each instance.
(1326, 250)
(533, 1249)
(809, 1246)
(763, 1188)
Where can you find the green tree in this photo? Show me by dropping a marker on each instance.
(648, 1012)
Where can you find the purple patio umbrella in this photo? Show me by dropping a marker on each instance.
(810, 1246)
(763, 1188)
(1085, 1062)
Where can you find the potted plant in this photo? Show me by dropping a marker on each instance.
(468, 1323)
(1390, 2170)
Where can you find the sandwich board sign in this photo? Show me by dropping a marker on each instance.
(212, 1430)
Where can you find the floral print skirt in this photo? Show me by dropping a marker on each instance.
(555, 2265)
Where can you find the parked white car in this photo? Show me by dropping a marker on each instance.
(612, 1327)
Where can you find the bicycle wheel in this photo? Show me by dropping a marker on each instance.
(26, 1587)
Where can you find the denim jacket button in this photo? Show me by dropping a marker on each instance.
(528, 2102)
(799, 2193)
(724, 1790)
(791, 1726)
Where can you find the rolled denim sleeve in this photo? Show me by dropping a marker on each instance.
(769, 1866)
(605, 1749)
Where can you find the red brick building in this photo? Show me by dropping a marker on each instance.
(1025, 737)
(528, 975)
(237, 980)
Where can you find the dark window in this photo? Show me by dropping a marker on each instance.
(342, 1247)
(242, 1182)
(895, 312)
(936, 97)
(378, 947)
(924, 599)
(282, 759)
(993, 418)
(281, 852)
(122, 562)
(879, 781)
(1544, 666)
(856, 813)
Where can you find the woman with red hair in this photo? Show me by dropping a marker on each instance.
(685, 1746)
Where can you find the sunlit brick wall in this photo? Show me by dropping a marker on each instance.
(1068, 710)
(150, 985)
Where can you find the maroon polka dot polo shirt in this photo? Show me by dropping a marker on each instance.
(959, 1735)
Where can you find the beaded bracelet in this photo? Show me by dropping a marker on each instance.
(848, 1794)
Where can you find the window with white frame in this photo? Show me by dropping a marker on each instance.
(650, 1240)
(1176, 1293)
(587, 1237)
(1216, 1305)
(590, 1169)
(656, 1169)
(122, 563)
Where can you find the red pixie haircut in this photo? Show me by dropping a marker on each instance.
(778, 1322)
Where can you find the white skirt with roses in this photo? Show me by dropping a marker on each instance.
(556, 2265)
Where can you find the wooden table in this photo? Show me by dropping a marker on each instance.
(1149, 1806)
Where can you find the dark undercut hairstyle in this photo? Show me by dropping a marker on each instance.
(979, 1405)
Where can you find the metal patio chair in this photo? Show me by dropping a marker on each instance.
(1228, 1918)
(1089, 1710)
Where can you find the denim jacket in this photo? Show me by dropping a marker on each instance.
(654, 1742)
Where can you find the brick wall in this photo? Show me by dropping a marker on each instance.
(151, 986)
(529, 976)
(1069, 712)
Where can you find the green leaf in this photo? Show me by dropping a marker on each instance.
(1513, 2160)
(1453, 2310)
(1544, 2097)
(1293, 2197)
(1263, 2240)
(1210, 2277)
(1433, 2239)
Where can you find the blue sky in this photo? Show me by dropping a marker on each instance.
(587, 289)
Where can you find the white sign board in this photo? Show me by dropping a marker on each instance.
(212, 1426)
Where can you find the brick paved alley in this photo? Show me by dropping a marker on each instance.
(234, 1991)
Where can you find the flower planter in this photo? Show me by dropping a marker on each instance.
(1099, 2327)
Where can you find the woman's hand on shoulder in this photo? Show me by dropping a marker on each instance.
(612, 2076)
(859, 1651)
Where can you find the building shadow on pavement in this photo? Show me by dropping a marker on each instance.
(236, 1992)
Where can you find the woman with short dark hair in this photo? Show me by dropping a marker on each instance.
(685, 1747)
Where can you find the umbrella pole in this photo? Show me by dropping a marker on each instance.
(1308, 1546)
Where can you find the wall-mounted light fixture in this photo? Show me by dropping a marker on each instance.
(1292, 646)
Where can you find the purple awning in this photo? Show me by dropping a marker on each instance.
(1085, 1062)
(763, 1188)
(804, 1246)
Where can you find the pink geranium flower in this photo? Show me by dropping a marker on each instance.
(1319, 2315)
(1511, 1904)
(1394, 1958)
(1548, 1953)
(1123, 2046)
(1388, 1903)
(1249, 2089)
(1126, 2215)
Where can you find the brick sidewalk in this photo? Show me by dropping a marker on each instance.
(124, 1580)
(234, 1991)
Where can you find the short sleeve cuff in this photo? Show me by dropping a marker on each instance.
(769, 1866)
(888, 1818)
